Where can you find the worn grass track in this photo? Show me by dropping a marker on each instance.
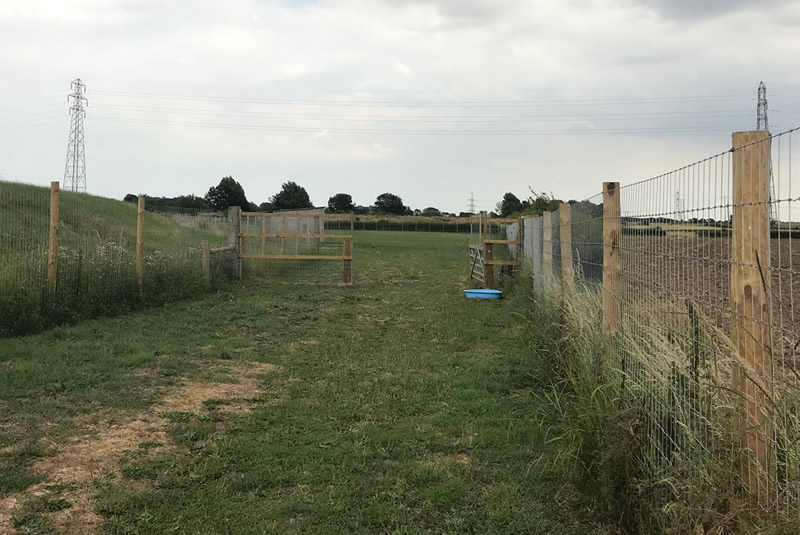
(399, 407)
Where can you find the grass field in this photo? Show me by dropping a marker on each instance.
(393, 406)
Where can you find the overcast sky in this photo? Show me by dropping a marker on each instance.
(431, 100)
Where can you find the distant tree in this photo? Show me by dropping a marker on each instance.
(389, 203)
(292, 196)
(465, 214)
(341, 203)
(417, 212)
(170, 204)
(361, 210)
(408, 211)
(431, 212)
(265, 207)
(540, 202)
(227, 193)
(188, 201)
(509, 205)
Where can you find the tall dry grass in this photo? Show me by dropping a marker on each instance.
(644, 422)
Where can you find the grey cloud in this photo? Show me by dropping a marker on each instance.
(470, 12)
(688, 10)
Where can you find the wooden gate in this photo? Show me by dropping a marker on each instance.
(296, 236)
(485, 233)
(476, 263)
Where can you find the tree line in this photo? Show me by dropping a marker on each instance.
(293, 196)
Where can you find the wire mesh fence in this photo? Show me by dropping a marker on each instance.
(695, 273)
(69, 256)
(413, 224)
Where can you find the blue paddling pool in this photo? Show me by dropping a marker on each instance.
(483, 294)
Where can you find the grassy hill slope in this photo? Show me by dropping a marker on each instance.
(96, 258)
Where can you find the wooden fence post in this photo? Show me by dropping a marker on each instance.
(234, 240)
(750, 286)
(207, 260)
(347, 253)
(488, 267)
(140, 244)
(612, 233)
(547, 248)
(565, 234)
(52, 251)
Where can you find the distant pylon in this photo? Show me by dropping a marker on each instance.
(471, 203)
(762, 123)
(75, 168)
(762, 120)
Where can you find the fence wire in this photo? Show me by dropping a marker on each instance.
(95, 258)
(707, 335)
(413, 223)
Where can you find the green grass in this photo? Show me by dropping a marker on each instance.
(96, 259)
(411, 413)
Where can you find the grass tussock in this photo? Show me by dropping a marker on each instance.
(643, 422)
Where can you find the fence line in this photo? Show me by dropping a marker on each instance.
(695, 274)
(69, 256)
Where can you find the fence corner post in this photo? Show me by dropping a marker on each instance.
(234, 240)
(612, 234)
(565, 234)
(52, 251)
(750, 287)
(207, 260)
(140, 244)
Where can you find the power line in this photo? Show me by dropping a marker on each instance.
(272, 128)
(420, 103)
(431, 118)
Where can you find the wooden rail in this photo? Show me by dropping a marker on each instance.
(506, 242)
(501, 262)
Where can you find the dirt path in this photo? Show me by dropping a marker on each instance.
(94, 454)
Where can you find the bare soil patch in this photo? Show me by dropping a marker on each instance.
(95, 454)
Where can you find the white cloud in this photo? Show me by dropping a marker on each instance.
(403, 69)
(285, 80)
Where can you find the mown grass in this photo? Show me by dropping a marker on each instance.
(96, 259)
(409, 413)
